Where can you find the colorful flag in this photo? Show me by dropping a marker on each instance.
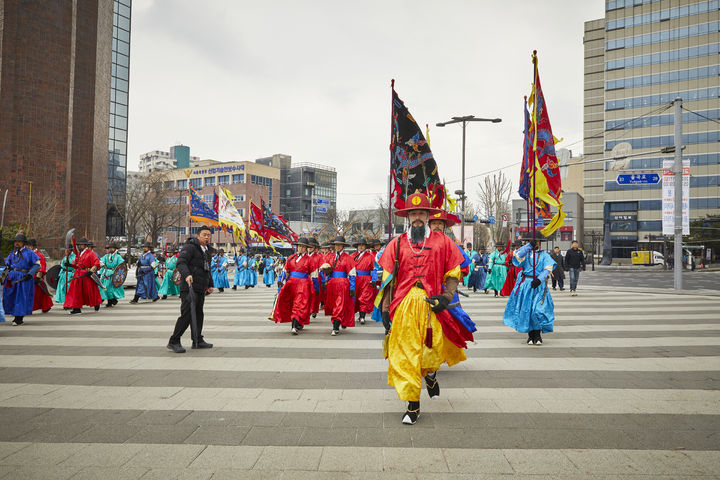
(544, 189)
(413, 167)
(269, 225)
(229, 217)
(200, 211)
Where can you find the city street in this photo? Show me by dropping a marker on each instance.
(627, 387)
(692, 281)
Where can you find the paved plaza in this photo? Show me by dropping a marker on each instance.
(627, 387)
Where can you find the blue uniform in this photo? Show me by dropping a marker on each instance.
(218, 267)
(268, 273)
(251, 272)
(240, 276)
(18, 298)
(2, 310)
(146, 286)
(477, 277)
(531, 308)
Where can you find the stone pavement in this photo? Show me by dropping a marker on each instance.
(627, 387)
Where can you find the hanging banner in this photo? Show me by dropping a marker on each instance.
(668, 198)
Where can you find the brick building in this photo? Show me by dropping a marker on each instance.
(55, 81)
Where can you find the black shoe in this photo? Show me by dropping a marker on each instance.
(336, 328)
(156, 299)
(234, 287)
(109, 305)
(164, 297)
(299, 326)
(294, 329)
(97, 307)
(411, 414)
(176, 347)
(474, 289)
(314, 315)
(202, 344)
(75, 311)
(247, 286)
(135, 299)
(221, 290)
(46, 310)
(433, 387)
(18, 321)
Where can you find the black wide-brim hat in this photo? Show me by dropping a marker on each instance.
(312, 241)
(83, 241)
(112, 245)
(360, 241)
(339, 240)
(20, 238)
(302, 241)
(147, 244)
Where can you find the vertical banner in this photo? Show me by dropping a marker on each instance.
(668, 198)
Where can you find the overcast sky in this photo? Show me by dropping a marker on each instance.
(238, 80)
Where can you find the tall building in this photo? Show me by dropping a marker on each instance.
(638, 59)
(117, 137)
(177, 157)
(55, 82)
(308, 190)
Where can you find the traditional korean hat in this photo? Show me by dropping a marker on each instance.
(360, 241)
(339, 240)
(32, 242)
(375, 241)
(301, 241)
(481, 247)
(312, 241)
(20, 238)
(83, 241)
(112, 245)
(148, 244)
(417, 201)
(499, 244)
(443, 215)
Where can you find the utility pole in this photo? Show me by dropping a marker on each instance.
(678, 171)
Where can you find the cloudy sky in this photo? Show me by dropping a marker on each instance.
(239, 80)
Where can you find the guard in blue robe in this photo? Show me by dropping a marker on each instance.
(530, 307)
(2, 310)
(269, 272)
(146, 286)
(240, 275)
(480, 265)
(218, 267)
(19, 287)
(251, 273)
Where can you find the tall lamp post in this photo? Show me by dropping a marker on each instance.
(464, 120)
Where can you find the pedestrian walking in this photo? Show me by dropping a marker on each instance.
(574, 262)
(168, 287)
(145, 274)
(293, 300)
(219, 271)
(364, 289)
(84, 289)
(512, 270)
(268, 271)
(194, 266)
(497, 270)
(108, 263)
(339, 267)
(558, 274)
(43, 300)
(66, 273)
(19, 288)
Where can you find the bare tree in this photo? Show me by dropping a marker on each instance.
(49, 221)
(161, 210)
(338, 223)
(494, 198)
(131, 205)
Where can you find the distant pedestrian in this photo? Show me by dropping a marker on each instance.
(574, 262)
(558, 274)
(194, 266)
(145, 274)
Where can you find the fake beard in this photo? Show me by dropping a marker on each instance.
(417, 234)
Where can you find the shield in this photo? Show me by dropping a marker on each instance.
(177, 277)
(42, 286)
(53, 276)
(119, 275)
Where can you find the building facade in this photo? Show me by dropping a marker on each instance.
(574, 228)
(638, 59)
(178, 157)
(308, 190)
(55, 82)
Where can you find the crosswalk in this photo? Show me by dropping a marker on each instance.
(628, 385)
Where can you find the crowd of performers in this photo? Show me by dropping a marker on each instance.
(411, 286)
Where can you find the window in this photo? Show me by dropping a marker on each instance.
(181, 184)
(209, 181)
(209, 199)
(238, 178)
(196, 182)
(224, 180)
(169, 185)
(566, 236)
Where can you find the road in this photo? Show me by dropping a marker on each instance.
(692, 281)
(627, 387)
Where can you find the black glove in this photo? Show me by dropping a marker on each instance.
(386, 320)
(533, 244)
(440, 303)
(352, 293)
(535, 283)
(26, 277)
(280, 284)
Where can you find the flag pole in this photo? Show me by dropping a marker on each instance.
(534, 168)
(390, 182)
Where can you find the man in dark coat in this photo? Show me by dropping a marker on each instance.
(194, 267)
(574, 262)
(558, 274)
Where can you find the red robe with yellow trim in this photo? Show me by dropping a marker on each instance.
(364, 288)
(428, 265)
(82, 290)
(294, 297)
(339, 305)
(42, 300)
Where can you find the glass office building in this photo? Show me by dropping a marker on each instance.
(638, 59)
(117, 145)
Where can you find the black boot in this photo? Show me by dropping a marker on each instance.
(336, 328)
(97, 307)
(164, 297)
(294, 329)
(75, 311)
(474, 289)
(433, 387)
(496, 293)
(362, 318)
(135, 299)
(221, 290)
(234, 287)
(247, 286)
(411, 414)
(18, 320)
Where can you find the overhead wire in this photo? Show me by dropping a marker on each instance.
(701, 115)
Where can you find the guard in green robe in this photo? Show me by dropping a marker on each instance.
(66, 274)
(497, 270)
(168, 287)
(109, 262)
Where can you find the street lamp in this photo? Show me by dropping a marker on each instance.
(464, 120)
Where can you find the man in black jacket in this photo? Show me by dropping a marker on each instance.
(574, 261)
(558, 273)
(194, 267)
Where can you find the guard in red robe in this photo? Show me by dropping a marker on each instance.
(340, 270)
(364, 288)
(513, 271)
(316, 259)
(322, 278)
(42, 300)
(293, 301)
(83, 290)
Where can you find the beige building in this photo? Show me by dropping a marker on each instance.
(638, 59)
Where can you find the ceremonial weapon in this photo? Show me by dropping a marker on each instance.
(434, 302)
(2, 220)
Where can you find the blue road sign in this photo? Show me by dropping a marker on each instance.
(638, 178)
(539, 222)
(491, 219)
(321, 209)
(475, 218)
(320, 201)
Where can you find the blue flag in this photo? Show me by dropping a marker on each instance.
(200, 211)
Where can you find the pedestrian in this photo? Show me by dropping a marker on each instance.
(364, 290)
(425, 270)
(240, 275)
(109, 262)
(470, 252)
(168, 287)
(269, 271)
(19, 288)
(530, 308)
(194, 266)
(558, 274)
(66, 273)
(251, 272)
(42, 300)
(219, 269)
(145, 274)
(497, 270)
(512, 270)
(574, 262)
(480, 267)
(340, 270)
(84, 290)
(292, 304)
